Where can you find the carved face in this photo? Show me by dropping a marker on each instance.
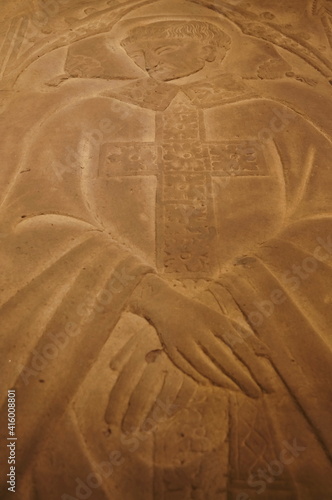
(170, 58)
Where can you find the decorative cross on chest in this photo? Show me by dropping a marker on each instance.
(185, 164)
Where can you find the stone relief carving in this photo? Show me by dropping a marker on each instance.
(323, 9)
(165, 229)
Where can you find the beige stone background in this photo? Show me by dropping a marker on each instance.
(195, 452)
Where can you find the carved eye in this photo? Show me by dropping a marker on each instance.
(136, 55)
(165, 49)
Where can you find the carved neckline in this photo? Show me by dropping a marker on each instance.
(148, 93)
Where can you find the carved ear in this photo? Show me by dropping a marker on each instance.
(210, 53)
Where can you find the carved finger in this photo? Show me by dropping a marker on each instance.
(204, 366)
(183, 363)
(226, 363)
(175, 394)
(145, 393)
(246, 348)
(121, 392)
(236, 339)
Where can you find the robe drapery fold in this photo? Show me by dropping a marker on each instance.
(58, 224)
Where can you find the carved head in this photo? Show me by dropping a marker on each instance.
(168, 50)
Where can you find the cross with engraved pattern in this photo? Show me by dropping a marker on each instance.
(185, 164)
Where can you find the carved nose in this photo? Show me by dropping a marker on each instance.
(151, 60)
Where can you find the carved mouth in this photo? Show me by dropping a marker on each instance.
(166, 72)
(162, 69)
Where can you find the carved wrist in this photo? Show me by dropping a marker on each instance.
(148, 296)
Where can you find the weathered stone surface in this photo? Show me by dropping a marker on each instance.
(166, 249)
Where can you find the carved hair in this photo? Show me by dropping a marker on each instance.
(314, 8)
(206, 32)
